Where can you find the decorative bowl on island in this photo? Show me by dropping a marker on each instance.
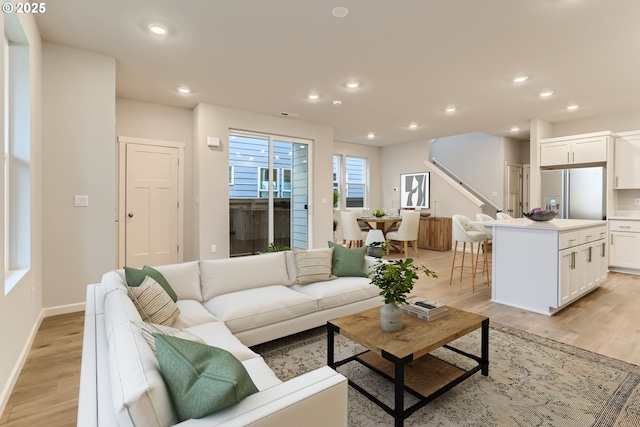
(539, 214)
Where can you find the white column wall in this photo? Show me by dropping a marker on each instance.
(79, 158)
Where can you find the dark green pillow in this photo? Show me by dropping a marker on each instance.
(347, 262)
(201, 379)
(135, 278)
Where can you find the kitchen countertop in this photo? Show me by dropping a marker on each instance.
(554, 224)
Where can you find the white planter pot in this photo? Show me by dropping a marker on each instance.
(390, 318)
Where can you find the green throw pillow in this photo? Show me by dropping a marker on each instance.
(135, 278)
(201, 379)
(347, 262)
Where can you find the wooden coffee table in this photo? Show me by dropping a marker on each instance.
(403, 357)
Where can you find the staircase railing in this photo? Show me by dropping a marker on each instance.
(448, 172)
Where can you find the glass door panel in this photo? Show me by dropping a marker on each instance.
(267, 207)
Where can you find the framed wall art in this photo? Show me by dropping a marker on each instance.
(414, 190)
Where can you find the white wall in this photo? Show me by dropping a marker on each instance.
(79, 153)
(621, 122)
(154, 121)
(409, 158)
(21, 309)
(211, 189)
(469, 157)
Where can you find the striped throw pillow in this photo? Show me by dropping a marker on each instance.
(153, 303)
(153, 328)
(313, 265)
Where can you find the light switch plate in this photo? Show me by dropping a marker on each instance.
(81, 200)
(636, 202)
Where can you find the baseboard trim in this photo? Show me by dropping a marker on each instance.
(13, 378)
(63, 309)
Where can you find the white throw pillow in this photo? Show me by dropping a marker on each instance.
(313, 265)
(153, 328)
(153, 303)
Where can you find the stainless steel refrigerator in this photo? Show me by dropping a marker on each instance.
(575, 193)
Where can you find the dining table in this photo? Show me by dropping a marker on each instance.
(384, 223)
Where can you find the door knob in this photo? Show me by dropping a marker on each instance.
(130, 215)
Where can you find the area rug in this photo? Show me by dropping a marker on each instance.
(533, 381)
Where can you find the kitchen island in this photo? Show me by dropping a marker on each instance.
(544, 266)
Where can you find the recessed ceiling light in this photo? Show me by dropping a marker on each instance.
(371, 135)
(340, 12)
(313, 96)
(337, 103)
(546, 93)
(520, 79)
(515, 129)
(184, 90)
(413, 125)
(573, 107)
(353, 84)
(158, 30)
(450, 109)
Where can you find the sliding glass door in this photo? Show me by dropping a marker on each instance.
(268, 192)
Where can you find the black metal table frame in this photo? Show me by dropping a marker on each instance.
(399, 413)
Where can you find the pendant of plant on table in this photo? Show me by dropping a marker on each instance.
(395, 280)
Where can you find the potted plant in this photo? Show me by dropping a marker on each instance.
(275, 248)
(377, 249)
(395, 280)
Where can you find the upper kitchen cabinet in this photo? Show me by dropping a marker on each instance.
(627, 160)
(575, 150)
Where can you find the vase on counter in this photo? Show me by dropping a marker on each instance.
(390, 317)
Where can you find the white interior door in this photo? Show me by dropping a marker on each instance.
(514, 191)
(151, 205)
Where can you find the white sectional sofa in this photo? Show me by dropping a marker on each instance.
(231, 304)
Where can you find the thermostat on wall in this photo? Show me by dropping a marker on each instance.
(213, 142)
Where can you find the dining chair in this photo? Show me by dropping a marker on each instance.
(502, 215)
(351, 232)
(488, 244)
(465, 232)
(407, 232)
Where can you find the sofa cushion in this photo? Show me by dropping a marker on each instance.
(184, 278)
(153, 303)
(138, 393)
(313, 265)
(347, 262)
(201, 379)
(260, 306)
(222, 276)
(148, 329)
(192, 313)
(113, 281)
(261, 374)
(341, 291)
(136, 277)
(218, 335)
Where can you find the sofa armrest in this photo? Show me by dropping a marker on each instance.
(318, 397)
(370, 262)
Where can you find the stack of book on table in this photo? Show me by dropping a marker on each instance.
(424, 309)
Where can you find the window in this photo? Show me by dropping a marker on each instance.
(17, 154)
(350, 178)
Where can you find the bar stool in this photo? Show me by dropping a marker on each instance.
(502, 215)
(465, 232)
(489, 242)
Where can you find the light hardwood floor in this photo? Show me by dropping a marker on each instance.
(607, 321)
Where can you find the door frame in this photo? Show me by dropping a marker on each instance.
(507, 198)
(121, 174)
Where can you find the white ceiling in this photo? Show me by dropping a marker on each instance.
(413, 57)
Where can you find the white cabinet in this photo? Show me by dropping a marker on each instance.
(573, 150)
(626, 165)
(582, 262)
(624, 244)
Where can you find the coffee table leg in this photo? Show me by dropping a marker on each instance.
(399, 408)
(331, 330)
(484, 362)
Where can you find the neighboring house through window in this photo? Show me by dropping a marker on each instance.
(350, 178)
